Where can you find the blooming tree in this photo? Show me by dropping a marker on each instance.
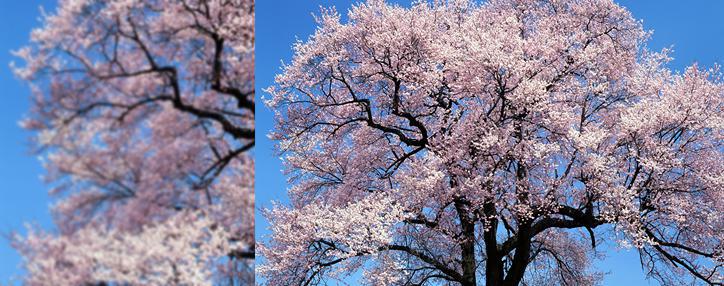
(495, 143)
(144, 115)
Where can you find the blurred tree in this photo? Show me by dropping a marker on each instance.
(144, 113)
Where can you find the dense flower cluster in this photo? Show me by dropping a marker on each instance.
(185, 248)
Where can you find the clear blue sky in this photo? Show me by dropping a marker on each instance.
(22, 195)
(694, 28)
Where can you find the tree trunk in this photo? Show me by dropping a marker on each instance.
(494, 263)
(467, 245)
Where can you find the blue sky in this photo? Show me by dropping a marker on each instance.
(23, 197)
(694, 28)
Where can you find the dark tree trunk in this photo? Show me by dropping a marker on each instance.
(494, 263)
(521, 257)
(467, 246)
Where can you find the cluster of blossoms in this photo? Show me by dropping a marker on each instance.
(185, 248)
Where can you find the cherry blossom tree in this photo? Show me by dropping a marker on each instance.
(495, 143)
(144, 115)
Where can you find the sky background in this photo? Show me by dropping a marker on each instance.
(694, 28)
(23, 196)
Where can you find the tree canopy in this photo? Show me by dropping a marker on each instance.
(462, 143)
